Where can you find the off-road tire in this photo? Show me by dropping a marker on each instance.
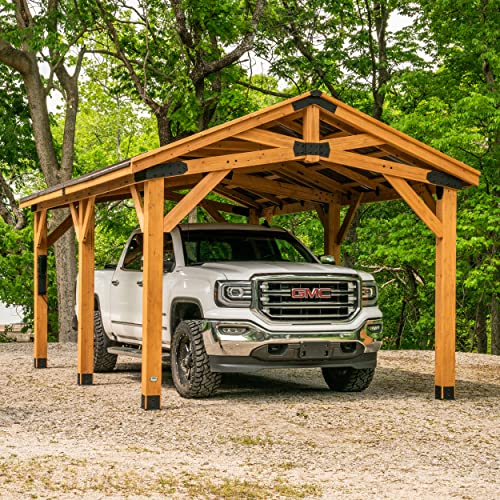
(103, 360)
(348, 379)
(189, 360)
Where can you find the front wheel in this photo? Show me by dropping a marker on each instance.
(190, 365)
(348, 379)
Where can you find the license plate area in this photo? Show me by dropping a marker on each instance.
(314, 350)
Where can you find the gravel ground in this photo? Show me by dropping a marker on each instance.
(276, 434)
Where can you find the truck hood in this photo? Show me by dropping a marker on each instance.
(245, 270)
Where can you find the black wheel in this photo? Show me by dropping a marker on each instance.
(190, 367)
(348, 379)
(103, 360)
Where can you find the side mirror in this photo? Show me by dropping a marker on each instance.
(327, 259)
(168, 266)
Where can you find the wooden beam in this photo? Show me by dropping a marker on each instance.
(379, 166)
(446, 296)
(346, 224)
(355, 141)
(152, 293)
(40, 289)
(213, 135)
(213, 205)
(267, 138)
(41, 228)
(416, 203)
(192, 199)
(83, 219)
(405, 143)
(281, 188)
(237, 197)
(254, 217)
(66, 224)
(241, 160)
(139, 206)
(331, 231)
(320, 210)
(362, 180)
(311, 177)
(310, 130)
(215, 214)
(290, 208)
(429, 200)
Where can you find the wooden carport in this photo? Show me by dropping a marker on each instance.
(311, 152)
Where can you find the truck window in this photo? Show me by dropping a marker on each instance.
(133, 256)
(221, 246)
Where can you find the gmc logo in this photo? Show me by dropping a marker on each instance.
(311, 293)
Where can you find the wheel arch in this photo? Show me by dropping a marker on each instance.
(183, 308)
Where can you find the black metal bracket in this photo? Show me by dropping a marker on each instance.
(448, 392)
(161, 170)
(150, 402)
(314, 98)
(446, 180)
(311, 148)
(42, 275)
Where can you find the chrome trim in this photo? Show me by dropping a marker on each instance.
(353, 305)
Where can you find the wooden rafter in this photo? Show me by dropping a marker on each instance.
(361, 179)
(281, 188)
(240, 198)
(268, 138)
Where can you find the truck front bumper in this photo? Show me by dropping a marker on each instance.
(246, 347)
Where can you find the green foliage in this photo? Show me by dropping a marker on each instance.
(16, 274)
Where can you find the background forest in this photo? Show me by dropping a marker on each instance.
(86, 83)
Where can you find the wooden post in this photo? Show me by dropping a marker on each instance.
(253, 218)
(446, 211)
(152, 294)
(331, 231)
(83, 219)
(40, 289)
(311, 130)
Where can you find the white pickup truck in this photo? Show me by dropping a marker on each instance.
(239, 298)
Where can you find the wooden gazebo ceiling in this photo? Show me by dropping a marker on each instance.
(308, 150)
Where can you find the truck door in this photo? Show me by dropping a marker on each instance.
(126, 293)
(126, 290)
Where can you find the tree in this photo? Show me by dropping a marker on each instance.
(26, 42)
(176, 58)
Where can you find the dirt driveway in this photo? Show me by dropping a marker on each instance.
(276, 434)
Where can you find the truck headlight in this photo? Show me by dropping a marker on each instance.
(369, 293)
(233, 293)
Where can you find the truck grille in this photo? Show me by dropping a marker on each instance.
(306, 299)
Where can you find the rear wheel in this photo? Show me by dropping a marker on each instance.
(190, 365)
(348, 379)
(103, 360)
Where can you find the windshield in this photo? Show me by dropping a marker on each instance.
(202, 246)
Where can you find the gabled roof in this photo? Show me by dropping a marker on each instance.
(311, 149)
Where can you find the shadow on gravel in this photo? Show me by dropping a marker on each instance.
(389, 383)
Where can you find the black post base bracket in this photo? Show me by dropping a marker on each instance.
(85, 379)
(150, 402)
(444, 392)
(40, 362)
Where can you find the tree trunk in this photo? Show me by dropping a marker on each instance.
(495, 326)
(163, 123)
(64, 250)
(352, 237)
(481, 336)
